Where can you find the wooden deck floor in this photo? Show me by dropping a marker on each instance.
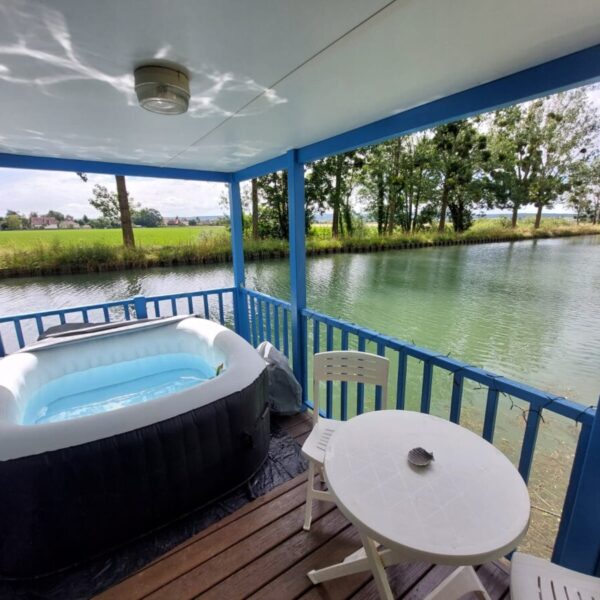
(261, 551)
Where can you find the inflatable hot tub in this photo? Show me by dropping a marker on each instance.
(110, 433)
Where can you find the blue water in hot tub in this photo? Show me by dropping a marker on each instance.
(102, 389)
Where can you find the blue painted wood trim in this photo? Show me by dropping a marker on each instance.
(401, 381)
(569, 503)
(537, 398)
(45, 163)
(344, 385)
(529, 441)
(456, 400)
(579, 536)
(360, 387)
(279, 163)
(491, 410)
(426, 387)
(562, 73)
(237, 252)
(297, 265)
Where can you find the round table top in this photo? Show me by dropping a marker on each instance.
(470, 505)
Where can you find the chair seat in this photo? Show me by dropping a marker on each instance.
(316, 443)
(538, 579)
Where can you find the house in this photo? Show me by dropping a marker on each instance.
(43, 222)
(68, 223)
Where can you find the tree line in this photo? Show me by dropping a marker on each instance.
(533, 154)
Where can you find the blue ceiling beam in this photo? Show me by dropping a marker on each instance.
(569, 71)
(279, 163)
(21, 161)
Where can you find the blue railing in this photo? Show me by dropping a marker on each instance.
(323, 332)
(17, 331)
(415, 371)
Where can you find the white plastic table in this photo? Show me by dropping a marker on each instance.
(469, 506)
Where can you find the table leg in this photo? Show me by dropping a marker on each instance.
(462, 581)
(377, 568)
(357, 562)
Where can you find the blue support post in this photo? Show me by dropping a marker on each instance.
(139, 304)
(578, 542)
(297, 218)
(237, 251)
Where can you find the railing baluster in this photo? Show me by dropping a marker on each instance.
(360, 387)
(380, 352)
(401, 382)
(276, 326)
(157, 308)
(261, 325)
(106, 314)
(253, 321)
(491, 410)
(344, 385)
(456, 400)
(316, 337)
(39, 323)
(2, 350)
(190, 303)
(529, 439)
(86, 318)
(19, 332)
(206, 309)
(426, 388)
(174, 306)
(61, 316)
(329, 384)
(286, 340)
(221, 311)
(268, 321)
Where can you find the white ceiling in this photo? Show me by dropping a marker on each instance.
(266, 75)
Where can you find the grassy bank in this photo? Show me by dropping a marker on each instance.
(94, 256)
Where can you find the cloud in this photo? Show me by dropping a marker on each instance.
(27, 191)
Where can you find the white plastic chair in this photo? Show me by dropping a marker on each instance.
(533, 578)
(348, 366)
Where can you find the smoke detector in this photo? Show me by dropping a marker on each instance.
(162, 90)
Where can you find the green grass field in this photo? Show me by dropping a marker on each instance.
(91, 250)
(158, 236)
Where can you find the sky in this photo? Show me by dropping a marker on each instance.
(29, 191)
(40, 191)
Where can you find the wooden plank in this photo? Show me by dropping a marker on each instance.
(401, 577)
(294, 582)
(287, 423)
(495, 579)
(218, 537)
(431, 579)
(221, 566)
(300, 429)
(270, 565)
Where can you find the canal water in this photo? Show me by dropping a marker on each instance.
(526, 310)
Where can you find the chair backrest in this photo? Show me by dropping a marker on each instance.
(349, 366)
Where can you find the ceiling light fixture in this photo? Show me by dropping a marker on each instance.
(162, 90)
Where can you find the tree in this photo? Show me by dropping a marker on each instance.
(13, 222)
(57, 215)
(461, 152)
(563, 127)
(114, 206)
(148, 217)
(511, 168)
(255, 215)
(584, 191)
(331, 181)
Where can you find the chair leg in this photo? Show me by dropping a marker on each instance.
(309, 495)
